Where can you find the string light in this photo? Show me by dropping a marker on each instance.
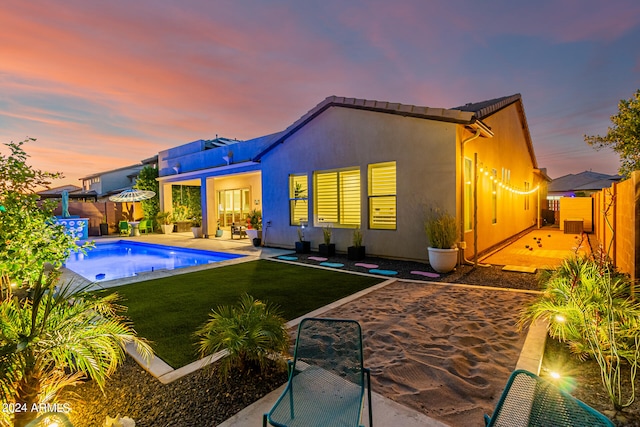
(485, 169)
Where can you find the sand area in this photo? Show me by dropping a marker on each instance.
(444, 350)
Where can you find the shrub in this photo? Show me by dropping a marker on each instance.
(589, 306)
(54, 337)
(251, 332)
(441, 229)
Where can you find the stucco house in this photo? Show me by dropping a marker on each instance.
(354, 163)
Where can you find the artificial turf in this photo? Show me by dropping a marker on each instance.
(169, 310)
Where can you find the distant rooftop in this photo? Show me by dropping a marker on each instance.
(583, 181)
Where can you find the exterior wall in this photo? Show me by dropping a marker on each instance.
(507, 149)
(617, 224)
(425, 155)
(193, 156)
(112, 180)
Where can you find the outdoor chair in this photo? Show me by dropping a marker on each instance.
(124, 228)
(238, 231)
(529, 400)
(145, 226)
(326, 378)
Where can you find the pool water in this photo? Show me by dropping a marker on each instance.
(109, 261)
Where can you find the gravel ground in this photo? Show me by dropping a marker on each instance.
(466, 274)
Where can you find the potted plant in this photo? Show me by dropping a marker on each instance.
(219, 232)
(254, 218)
(165, 219)
(327, 248)
(104, 226)
(196, 227)
(442, 233)
(357, 251)
(181, 219)
(302, 246)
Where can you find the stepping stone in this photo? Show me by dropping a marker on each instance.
(318, 258)
(365, 265)
(331, 264)
(519, 269)
(426, 274)
(288, 258)
(383, 272)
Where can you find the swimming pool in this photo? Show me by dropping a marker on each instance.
(108, 261)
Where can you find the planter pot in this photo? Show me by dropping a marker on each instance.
(303, 247)
(252, 233)
(104, 229)
(183, 226)
(355, 253)
(219, 233)
(443, 260)
(327, 250)
(167, 228)
(197, 232)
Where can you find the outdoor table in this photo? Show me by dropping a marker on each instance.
(135, 228)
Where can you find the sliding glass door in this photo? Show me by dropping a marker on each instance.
(233, 206)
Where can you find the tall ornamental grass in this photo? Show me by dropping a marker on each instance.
(589, 306)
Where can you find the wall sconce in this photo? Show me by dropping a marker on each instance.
(226, 159)
(176, 168)
(256, 202)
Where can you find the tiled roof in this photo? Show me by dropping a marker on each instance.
(486, 108)
(582, 181)
(453, 115)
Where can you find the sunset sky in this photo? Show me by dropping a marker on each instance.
(105, 84)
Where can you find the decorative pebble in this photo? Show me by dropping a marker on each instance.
(425, 273)
(100, 276)
(365, 265)
(383, 272)
(331, 264)
(317, 258)
(288, 258)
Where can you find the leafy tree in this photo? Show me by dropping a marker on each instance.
(251, 332)
(51, 336)
(624, 135)
(28, 236)
(147, 181)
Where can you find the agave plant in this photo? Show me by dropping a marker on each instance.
(589, 306)
(51, 338)
(250, 332)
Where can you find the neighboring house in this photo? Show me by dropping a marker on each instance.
(379, 166)
(582, 184)
(75, 193)
(113, 181)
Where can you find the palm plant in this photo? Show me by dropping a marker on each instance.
(589, 306)
(51, 338)
(250, 332)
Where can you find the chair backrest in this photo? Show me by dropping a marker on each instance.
(334, 345)
(123, 224)
(529, 400)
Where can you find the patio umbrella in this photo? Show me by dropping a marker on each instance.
(132, 195)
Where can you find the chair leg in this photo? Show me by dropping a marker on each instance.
(264, 420)
(368, 372)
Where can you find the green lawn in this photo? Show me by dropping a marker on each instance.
(168, 311)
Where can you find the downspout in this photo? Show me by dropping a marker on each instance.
(461, 257)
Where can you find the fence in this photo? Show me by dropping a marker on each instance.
(112, 212)
(617, 223)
